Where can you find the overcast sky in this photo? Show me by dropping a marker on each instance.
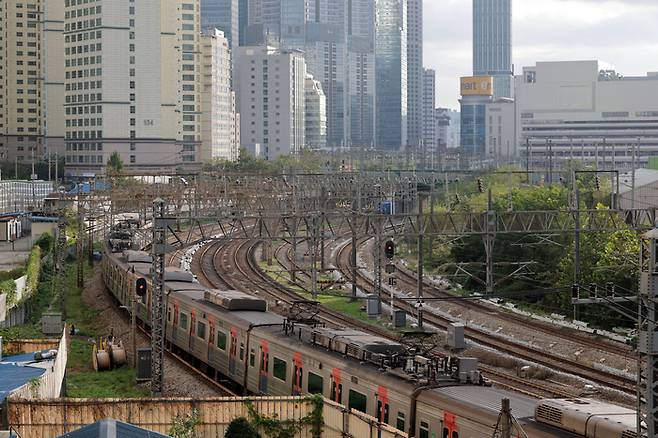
(623, 33)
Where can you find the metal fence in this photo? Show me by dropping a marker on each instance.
(51, 418)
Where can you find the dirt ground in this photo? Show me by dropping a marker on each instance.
(178, 380)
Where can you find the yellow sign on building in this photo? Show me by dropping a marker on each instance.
(477, 86)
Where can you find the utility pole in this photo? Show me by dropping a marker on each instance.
(420, 261)
(647, 365)
(313, 247)
(79, 244)
(489, 239)
(60, 248)
(159, 249)
(377, 254)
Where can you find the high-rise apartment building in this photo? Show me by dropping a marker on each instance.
(492, 43)
(218, 118)
(319, 29)
(243, 21)
(132, 84)
(31, 79)
(271, 99)
(415, 75)
(391, 74)
(316, 114)
(223, 15)
(429, 110)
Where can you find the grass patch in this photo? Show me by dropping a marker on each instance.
(82, 381)
(338, 301)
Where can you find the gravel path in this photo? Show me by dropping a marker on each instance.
(178, 380)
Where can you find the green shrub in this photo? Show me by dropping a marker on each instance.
(9, 287)
(45, 242)
(33, 269)
(241, 428)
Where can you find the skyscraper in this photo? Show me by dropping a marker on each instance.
(429, 112)
(31, 79)
(415, 74)
(319, 30)
(492, 43)
(391, 73)
(222, 15)
(361, 76)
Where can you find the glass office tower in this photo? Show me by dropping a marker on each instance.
(222, 15)
(391, 73)
(492, 43)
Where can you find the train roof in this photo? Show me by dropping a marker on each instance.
(487, 398)
(132, 256)
(235, 300)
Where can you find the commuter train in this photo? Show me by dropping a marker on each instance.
(233, 338)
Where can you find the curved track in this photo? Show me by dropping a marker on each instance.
(560, 364)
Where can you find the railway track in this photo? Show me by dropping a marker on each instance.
(239, 270)
(486, 339)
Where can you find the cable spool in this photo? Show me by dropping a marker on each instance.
(103, 360)
(118, 354)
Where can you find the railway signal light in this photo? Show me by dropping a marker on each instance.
(575, 292)
(480, 185)
(140, 287)
(597, 181)
(389, 249)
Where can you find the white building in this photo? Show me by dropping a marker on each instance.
(18, 196)
(448, 128)
(271, 100)
(31, 79)
(133, 84)
(316, 114)
(585, 110)
(500, 133)
(218, 118)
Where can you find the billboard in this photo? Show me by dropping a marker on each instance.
(477, 86)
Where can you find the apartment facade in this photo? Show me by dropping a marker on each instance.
(132, 84)
(271, 100)
(391, 74)
(218, 118)
(492, 44)
(31, 80)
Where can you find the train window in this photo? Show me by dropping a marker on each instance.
(252, 358)
(424, 430)
(399, 424)
(357, 401)
(446, 432)
(201, 330)
(221, 340)
(279, 369)
(337, 392)
(241, 351)
(455, 434)
(315, 384)
(169, 315)
(385, 412)
(183, 321)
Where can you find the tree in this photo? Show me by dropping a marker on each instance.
(115, 163)
(241, 428)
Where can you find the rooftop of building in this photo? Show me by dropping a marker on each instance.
(18, 370)
(643, 177)
(578, 69)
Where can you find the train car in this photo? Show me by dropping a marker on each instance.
(587, 417)
(233, 338)
(472, 412)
